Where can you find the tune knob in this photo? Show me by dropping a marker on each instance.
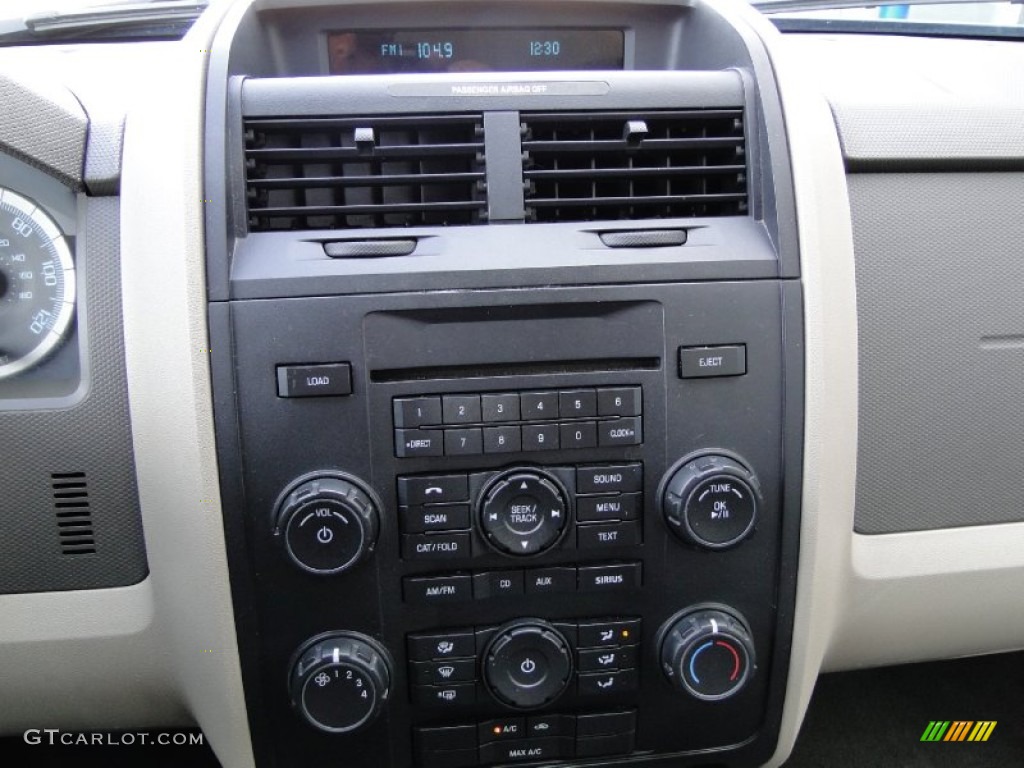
(328, 523)
(707, 653)
(711, 501)
(527, 664)
(340, 681)
(523, 512)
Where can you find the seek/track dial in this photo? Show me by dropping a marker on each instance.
(523, 512)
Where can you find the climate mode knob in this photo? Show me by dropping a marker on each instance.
(328, 523)
(528, 664)
(340, 681)
(707, 653)
(711, 501)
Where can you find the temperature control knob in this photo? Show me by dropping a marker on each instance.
(329, 523)
(711, 501)
(340, 681)
(707, 653)
(528, 664)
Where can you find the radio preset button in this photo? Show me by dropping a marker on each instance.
(417, 411)
(463, 442)
(577, 402)
(502, 440)
(540, 437)
(619, 401)
(578, 434)
(539, 405)
(502, 407)
(460, 409)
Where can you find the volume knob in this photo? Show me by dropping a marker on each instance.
(329, 523)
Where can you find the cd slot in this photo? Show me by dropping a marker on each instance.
(497, 370)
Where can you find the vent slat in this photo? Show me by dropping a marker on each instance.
(309, 173)
(618, 165)
(364, 181)
(329, 154)
(634, 173)
(650, 146)
(347, 210)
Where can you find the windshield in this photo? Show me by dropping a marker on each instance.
(41, 21)
(938, 17)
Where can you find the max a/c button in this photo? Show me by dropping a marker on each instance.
(705, 362)
(329, 380)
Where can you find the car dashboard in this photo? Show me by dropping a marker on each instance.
(453, 384)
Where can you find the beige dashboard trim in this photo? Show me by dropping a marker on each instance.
(830, 343)
(167, 356)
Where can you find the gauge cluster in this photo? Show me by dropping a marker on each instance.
(41, 342)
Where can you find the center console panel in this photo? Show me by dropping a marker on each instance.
(511, 474)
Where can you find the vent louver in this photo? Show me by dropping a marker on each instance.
(358, 172)
(601, 166)
(74, 516)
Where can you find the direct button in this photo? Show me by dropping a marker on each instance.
(410, 443)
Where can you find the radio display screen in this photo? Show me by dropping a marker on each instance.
(409, 51)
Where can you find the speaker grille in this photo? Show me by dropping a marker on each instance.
(74, 516)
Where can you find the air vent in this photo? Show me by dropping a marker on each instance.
(604, 166)
(360, 172)
(74, 517)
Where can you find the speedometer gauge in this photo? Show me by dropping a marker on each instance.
(37, 284)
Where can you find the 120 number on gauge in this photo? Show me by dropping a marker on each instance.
(37, 284)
